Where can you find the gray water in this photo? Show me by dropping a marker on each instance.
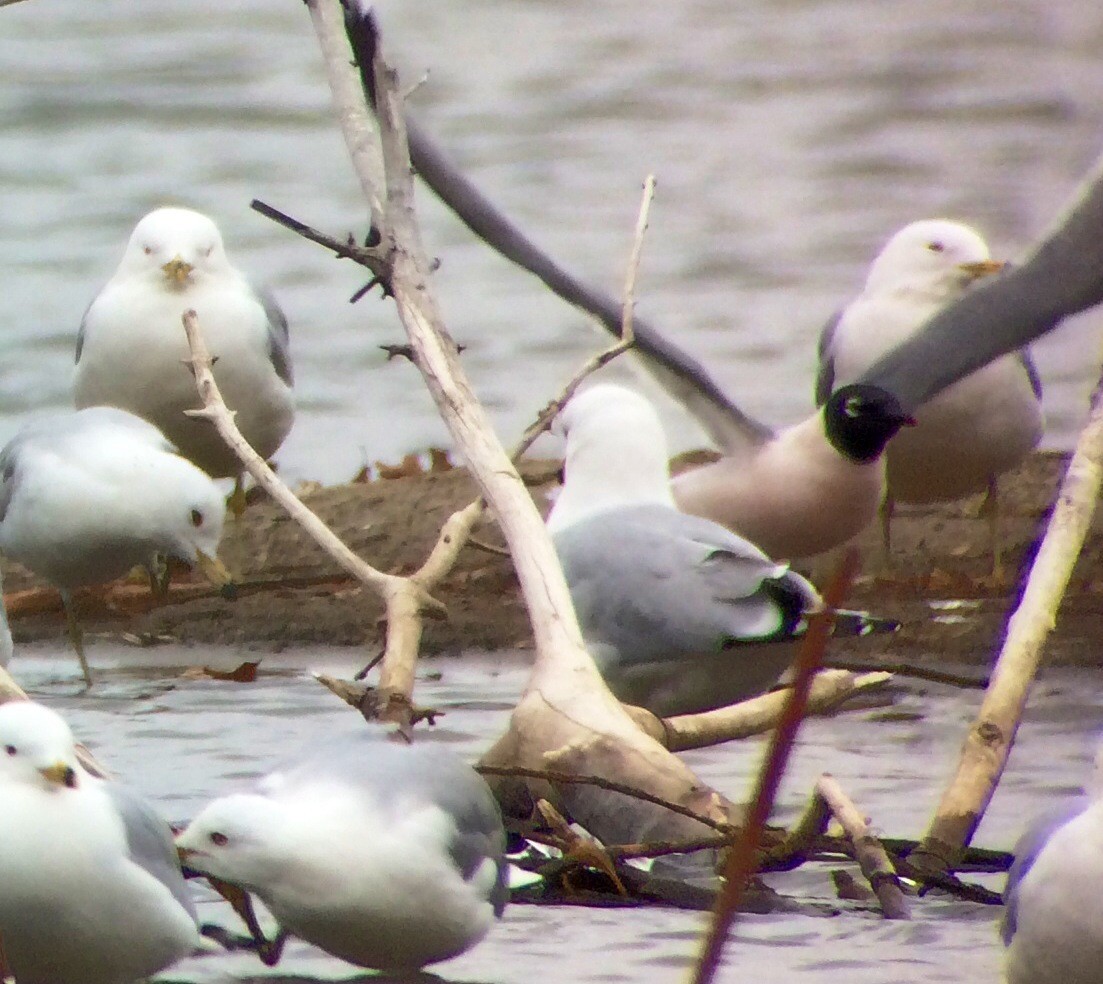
(183, 742)
(789, 140)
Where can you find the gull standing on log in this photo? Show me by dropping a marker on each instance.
(132, 351)
(90, 886)
(975, 429)
(680, 614)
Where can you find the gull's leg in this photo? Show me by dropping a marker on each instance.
(157, 570)
(76, 636)
(885, 512)
(991, 507)
(236, 501)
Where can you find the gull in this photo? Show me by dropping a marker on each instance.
(386, 855)
(1051, 925)
(680, 614)
(974, 430)
(131, 349)
(87, 495)
(92, 890)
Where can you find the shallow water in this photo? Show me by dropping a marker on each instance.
(183, 742)
(789, 141)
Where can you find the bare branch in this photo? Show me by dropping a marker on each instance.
(868, 852)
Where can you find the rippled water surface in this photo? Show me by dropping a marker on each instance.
(185, 742)
(789, 140)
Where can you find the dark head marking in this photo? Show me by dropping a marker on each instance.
(861, 419)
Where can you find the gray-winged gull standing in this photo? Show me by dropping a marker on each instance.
(131, 348)
(384, 854)
(85, 496)
(90, 887)
(680, 614)
(972, 431)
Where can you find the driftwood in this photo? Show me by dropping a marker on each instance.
(566, 720)
(989, 740)
(830, 690)
(868, 852)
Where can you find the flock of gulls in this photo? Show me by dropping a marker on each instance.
(683, 590)
(388, 855)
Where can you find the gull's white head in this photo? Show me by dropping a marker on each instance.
(188, 515)
(237, 838)
(176, 247)
(935, 257)
(36, 746)
(616, 454)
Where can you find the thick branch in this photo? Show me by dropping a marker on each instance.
(989, 740)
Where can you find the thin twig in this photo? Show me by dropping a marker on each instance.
(741, 859)
(868, 852)
(627, 332)
(569, 778)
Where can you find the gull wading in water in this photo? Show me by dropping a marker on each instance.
(384, 854)
(86, 496)
(90, 887)
(132, 350)
(1053, 926)
(680, 614)
(975, 429)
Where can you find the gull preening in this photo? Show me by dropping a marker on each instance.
(384, 854)
(680, 614)
(85, 496)
(971, 432)
(91, 887)
(131, 348)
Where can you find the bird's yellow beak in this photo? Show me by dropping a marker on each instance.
(177, 271)
(60, 773)
(213, 569)
(982, 268)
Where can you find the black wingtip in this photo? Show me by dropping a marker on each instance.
(363, 35)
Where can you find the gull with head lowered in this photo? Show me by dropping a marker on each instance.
(86, 496)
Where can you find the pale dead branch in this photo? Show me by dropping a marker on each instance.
(868, 852)
(830, 690)
(989, 740)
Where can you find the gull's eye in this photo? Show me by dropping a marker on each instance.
(219, 839)
(853, 407)
(935, 246)
(208, 250)
(11, 749)
(196, 518)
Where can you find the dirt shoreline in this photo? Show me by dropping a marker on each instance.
(938, 586)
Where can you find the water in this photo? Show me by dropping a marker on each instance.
(183, 742)
(789, 141)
